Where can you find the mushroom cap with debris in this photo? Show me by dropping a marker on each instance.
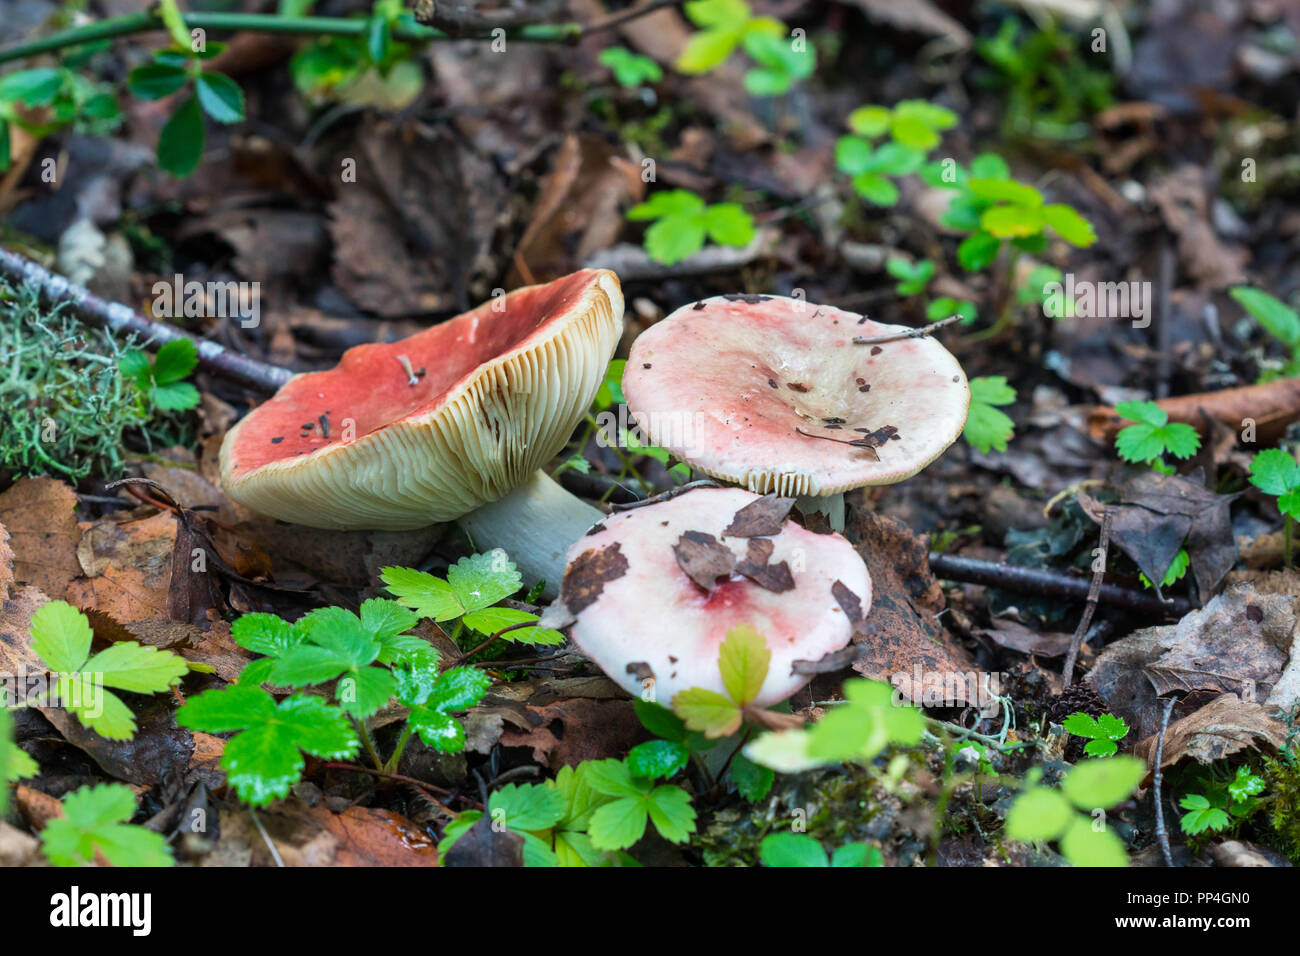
(655, 589)
(406, 434)
(767, 392)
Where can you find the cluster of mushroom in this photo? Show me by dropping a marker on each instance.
(772, 394)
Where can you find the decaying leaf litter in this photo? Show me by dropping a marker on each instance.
(409, 684)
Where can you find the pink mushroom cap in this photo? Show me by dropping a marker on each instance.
(766, 391)
(647, 612)
(406, 434)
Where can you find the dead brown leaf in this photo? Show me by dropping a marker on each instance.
(1271, 405)
(901, 637)
(40, 516)
(127, 566)
(1223, 727)
(567, 732)
(580, 209)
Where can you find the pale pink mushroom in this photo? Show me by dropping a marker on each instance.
(640, 616)
(767, 391)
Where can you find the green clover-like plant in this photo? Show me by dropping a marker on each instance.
(95, 820)
(913, 123)
(630, 69)
(1041, 814)
(1102, 733)
(781, 57)
(681, 221)
(1153, 436)
(1275, 472)
(265, 757)
(61, 636)
(160, 381)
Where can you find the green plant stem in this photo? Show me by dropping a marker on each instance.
(133, 23)
(395, 759)
(364, 733)
(1286, 540)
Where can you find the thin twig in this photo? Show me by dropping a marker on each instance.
(1162, 834)
(55, 290)
(909, 334)
(615, 20)
(666, 495)
(1094, 592)
(1047, 583)
(266, 838)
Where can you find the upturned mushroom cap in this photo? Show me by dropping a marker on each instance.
(496, 393)
(766, 391)
(636, 606)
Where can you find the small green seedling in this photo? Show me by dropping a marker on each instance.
(1041, 814)
(630, 69)
(913, 279)
(743, 659)
(1153, 436)
(587, 815)
(95, 820)
(264, 759)
(872, 169)
(1222, 804)
(912, 123)
(799, 849)
(682, 220)
(473, 586)
(45, 99)
(160, 381)
(1102, 733)
(1275, 472)
(782, 57)
(366, 69)
(61, 636)
(987, 427)
(1279, 320)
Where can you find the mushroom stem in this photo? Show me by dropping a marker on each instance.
(535, 524)
(832, 506)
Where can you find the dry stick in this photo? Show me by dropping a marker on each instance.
(1094, 591)
(623, 16)
(909, 334)
(55, 290)
(1047, 583)
(1161, 833)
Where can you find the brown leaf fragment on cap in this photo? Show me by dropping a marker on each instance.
(641, 671)
(761, 518)
(797, 387)
(773, 577)
(587, 576)
(704, 558)
(832, 662)
(748, 298)
(849, 602)
(771, 720)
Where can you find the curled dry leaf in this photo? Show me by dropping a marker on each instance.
(761, 518)
(587, 576)
(1223, 727)
(704, 558)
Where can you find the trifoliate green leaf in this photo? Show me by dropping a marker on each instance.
(1202, 815)
(671, 812)
(1012, 221)
(978, 250)
(630, 69)
(659, 720)
(94, 819)
(264, 760)
(986, 426)
(1006, 190)
(728, 223)
(875, 188)
(1244, 784)
(153, 81)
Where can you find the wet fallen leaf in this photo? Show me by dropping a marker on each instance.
(127, 566)
(40, 516)
(704, 558)
(1223, 727)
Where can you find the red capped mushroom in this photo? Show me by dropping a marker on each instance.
(653, 591)
(451, 423)
(772, 394)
